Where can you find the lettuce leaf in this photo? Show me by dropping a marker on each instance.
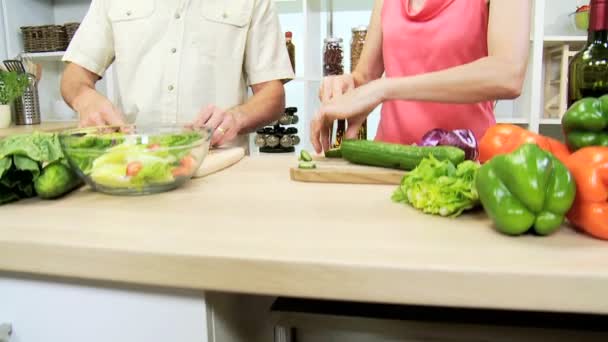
(153, 173)
(17, 181)
(440, 187)
(5, 164)
(40, 147)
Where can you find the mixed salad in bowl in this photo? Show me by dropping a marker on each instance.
(133, 160)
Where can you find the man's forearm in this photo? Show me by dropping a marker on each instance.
(265, 106)
(76, 81)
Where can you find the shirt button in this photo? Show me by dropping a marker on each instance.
(177, 16)
(174, 50)
(171, 87)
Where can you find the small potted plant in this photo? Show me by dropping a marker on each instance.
(12, 86)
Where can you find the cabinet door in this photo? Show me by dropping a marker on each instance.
(57, 312)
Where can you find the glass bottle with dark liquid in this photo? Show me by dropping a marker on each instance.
(333, 54)
(588, 70)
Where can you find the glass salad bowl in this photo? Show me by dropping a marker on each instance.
(135, 160)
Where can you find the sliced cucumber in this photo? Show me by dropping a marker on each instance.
(305, 156)
(307, 165)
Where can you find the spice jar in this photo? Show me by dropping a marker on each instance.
(356, 48)
(333, 55)
(295, 140)
(333, 65)
(291, 50)
(272, 141)
(285, 120)
(356, 45)
(260, 139)
(286, 141)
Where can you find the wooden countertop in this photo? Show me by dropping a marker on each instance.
(44, 127)
(250, 229)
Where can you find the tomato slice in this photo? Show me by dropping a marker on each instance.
(153, 147)
(188, 162)
(180, 171)
(133, 168)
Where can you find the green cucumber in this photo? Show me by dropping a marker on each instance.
(307, 165)
(305, 156)
(56, 180)
(333, 153)
(396, 156)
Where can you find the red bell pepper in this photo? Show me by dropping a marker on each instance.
(589, 167)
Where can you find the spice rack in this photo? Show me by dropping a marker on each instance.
(277, 138)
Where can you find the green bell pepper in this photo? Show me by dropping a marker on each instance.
(585, 123)
(528, 188)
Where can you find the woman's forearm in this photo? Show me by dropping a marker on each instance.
(486, 79)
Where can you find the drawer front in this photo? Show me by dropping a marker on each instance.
(56, 312)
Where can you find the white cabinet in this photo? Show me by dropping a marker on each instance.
(60, 312)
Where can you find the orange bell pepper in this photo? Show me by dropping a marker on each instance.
(506, 138)
(559, 149)
(589, 167)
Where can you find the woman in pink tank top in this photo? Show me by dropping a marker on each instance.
(445, 62)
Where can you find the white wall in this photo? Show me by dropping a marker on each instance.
(65, 11)
(557, 20)
(3, 52)
(24, 13)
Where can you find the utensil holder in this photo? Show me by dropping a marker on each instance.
(27, 107)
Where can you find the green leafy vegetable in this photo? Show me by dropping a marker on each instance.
(17, 181)
(182, 139)
(5, 164)
(12, 86)
(21, 160)
(439, 187)
(110, 169)
(36, 146)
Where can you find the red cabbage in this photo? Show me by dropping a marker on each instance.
(461, 138)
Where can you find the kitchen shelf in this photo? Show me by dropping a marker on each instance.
(45, 56)
(550, 121)
(551, 41)
(516, 121)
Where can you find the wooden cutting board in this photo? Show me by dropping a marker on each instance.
(219, 159)
(331, 170)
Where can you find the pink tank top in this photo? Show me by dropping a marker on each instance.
(443, 34)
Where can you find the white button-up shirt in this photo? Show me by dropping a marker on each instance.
(174, 57)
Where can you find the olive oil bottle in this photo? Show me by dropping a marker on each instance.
(588, 70)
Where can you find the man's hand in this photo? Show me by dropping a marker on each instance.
(225, 125)
(96, 110)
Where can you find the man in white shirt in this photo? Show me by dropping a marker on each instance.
(180, 61)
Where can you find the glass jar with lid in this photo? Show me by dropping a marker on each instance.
(333, 56)
(356, 45)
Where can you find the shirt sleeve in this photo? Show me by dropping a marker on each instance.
(93, 44)
(266, 57)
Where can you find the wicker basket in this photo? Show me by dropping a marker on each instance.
(70, 29)
(44, 38)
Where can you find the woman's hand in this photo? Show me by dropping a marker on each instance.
(224, 124)
(354, 106)
(334, 86)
